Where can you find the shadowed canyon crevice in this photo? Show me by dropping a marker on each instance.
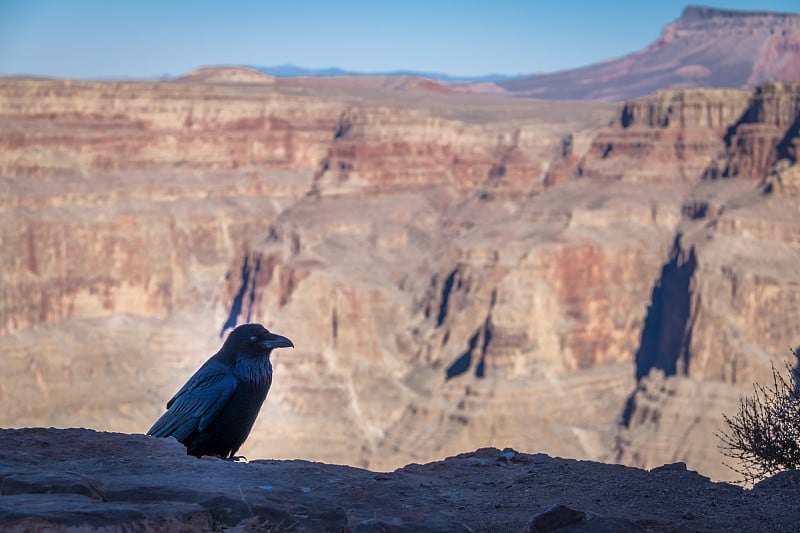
(667, 329)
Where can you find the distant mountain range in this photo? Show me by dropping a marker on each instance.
(293, 71)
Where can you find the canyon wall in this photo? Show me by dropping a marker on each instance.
(455, 270)
(725, 308)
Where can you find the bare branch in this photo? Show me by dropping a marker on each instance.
(763, 438)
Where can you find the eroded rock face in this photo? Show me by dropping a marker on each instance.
(456, 272)
(58, 127)
(708, 315)
(729, 269)
(667, 138)
(380, 151)
(767, 132)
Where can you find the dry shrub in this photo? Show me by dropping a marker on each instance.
(763, 438)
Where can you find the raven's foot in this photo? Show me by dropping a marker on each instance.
(215, 457)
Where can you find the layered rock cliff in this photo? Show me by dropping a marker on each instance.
(669, 137)
(457, 271)
(725, 308)
(767, 132)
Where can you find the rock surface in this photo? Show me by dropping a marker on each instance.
(78, 479)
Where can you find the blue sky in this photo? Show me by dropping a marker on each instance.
(105, 38)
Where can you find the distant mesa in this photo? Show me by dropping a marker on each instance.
(705, 47)
(227, 74)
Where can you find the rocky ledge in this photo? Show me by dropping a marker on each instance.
(79, 479)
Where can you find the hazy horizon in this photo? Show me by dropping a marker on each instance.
(91, 39)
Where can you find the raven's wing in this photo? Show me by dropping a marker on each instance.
(196, 405)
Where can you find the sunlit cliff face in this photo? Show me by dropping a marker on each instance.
(451, 275)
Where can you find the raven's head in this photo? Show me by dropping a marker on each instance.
(255, 340)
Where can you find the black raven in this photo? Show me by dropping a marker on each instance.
(214, 411)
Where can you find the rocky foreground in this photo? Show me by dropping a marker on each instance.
(79, 479)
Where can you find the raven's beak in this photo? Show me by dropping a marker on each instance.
(276, 341)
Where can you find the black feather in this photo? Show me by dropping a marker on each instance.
(212, 414)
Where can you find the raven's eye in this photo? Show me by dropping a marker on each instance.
(253, 338)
